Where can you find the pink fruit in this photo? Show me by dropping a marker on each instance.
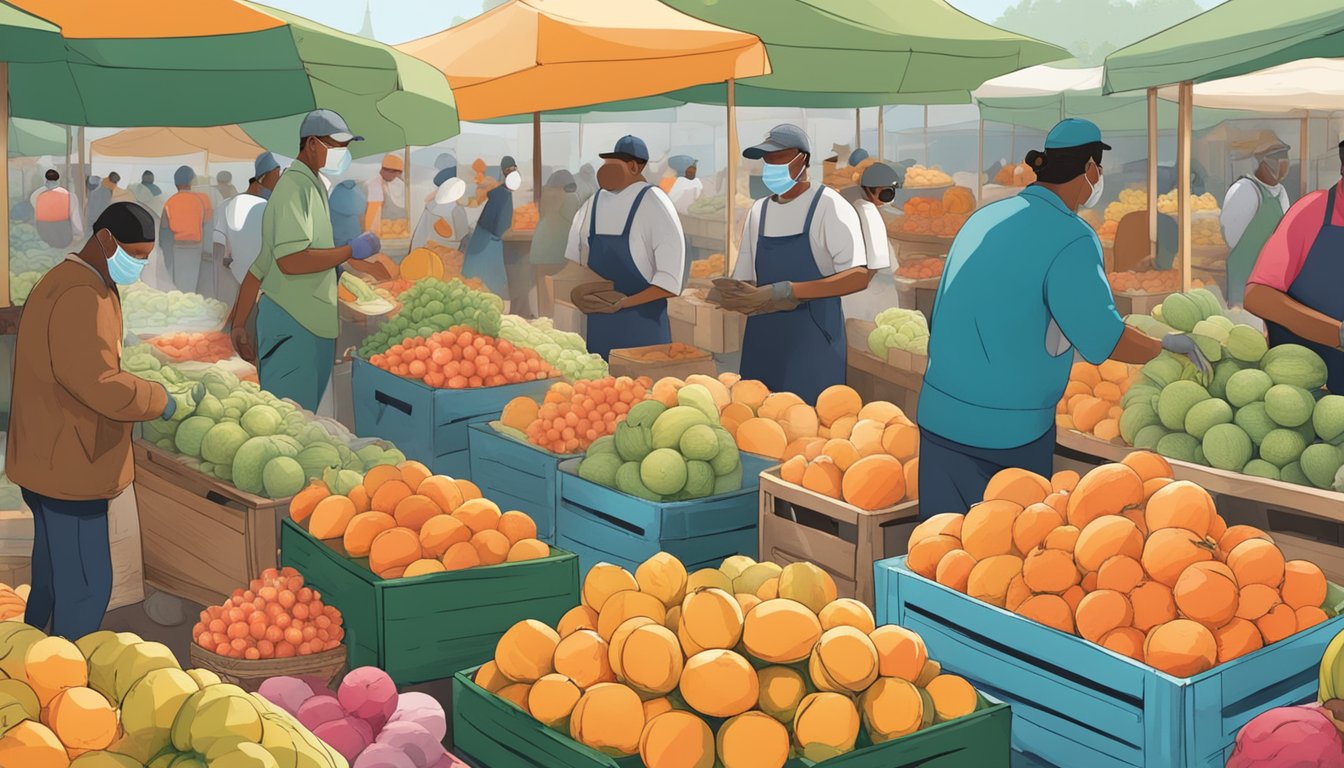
(369, 694)
(1289, 736)
(320, 685)
(448, 761)
(349, 736)
(318, 710)
(423, 710)
(287, 693)
(423, 749)
(383, 756)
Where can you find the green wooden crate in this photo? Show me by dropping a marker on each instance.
(489, 732)
(423, 628)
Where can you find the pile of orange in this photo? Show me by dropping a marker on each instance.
(276, 617)
(460, 358)
(1091, 401)
(716, 264)
(921, 269)
(408, 522)
(525, 217)
(665, 352)
(1020, 175)
(1147, 281)
(395, 229)
(209, 347)
(1106, 231)
(572, 416)
(1127, 558)
(927, 216)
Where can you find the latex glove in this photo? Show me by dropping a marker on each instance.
(171, 407)
(1180, 344)
(590, 305)
(364, 246)
(242, 343)
(750, 300)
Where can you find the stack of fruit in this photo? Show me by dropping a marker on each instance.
(1020, 175)
(365, 720)
(276, 617)
(897, 328)
(1146, 281)
(1207, 231)
(395, 229)
(667, 453)
(460, 358)
(1205, 203)
(566, 352)
(661, 353)
(208, 347)
(1106, 231)
(431, 306)
(145, 310)
(768, 654)
(1127, 558)
(1091, 401)
(921, 269)
(21, 284)
(113, 700)
(408, 522)
(927, 216)
(715, 265)
(1128, 201)
(918, 176)
(572, 416)
(1262, 414)
(246, 436)
(525, 217)
(29, 258)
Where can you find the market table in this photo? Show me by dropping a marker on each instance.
(897, 381)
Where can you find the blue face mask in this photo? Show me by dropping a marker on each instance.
(777, 178)
(124, 268)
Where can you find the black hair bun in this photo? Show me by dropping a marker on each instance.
(1035, 158)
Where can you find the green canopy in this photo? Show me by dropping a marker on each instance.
(857, 53)
(34, 138)
(1235, 38)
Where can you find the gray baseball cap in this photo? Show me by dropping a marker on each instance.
(781, 137)
(879, 175)
(264, 164)
(325, 122)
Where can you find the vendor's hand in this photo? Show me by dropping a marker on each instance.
(1181, 344)
(750, 300)
(171, 407)
(364, 246)
(242, 344)
(589, 304)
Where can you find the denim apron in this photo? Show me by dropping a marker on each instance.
(610, 257)
(1320, 285)
(802, 350)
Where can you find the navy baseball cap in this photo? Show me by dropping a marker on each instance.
(1074, 132)
(628, 148)
(325, 122)
(781, 137)
(879, 175)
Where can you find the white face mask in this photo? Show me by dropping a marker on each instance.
(1097, 188)
(513, 181)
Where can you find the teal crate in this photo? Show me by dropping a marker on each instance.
(601, 524)
(489, 732)
(423, 628)
(428, 424)
(1078, 704)
(516, 475)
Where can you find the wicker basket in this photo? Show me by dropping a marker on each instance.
(250, 674)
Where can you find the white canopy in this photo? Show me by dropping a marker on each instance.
(1041, 80)
(1298, 86)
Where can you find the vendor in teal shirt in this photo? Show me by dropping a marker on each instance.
(1024, 289)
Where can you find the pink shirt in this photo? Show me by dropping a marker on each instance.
(1282, 257)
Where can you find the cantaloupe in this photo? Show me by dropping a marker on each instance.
(777, 404)
(799, 421)
(791, 471)
(749, 392)
(824, 477)
(330, 517)
(717, 389)
(842, 452)
(874, 482)
(363, 529)
(733, 415)
(901, 441)
(837, 401)
(395, 548)
(519, 413)
(763, 437)
(305, 501)
(807, 447)
(842, 427)
(880, 411)
(421, 263)
(867, 437)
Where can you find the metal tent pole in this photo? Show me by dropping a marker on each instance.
(1187, 91)
(980, 168)
(730, 182)
(4, 184)
(881, 133)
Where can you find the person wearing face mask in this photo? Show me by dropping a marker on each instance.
(182, 229)
(1024, 290)
(802, 250)
(73, 410)
(386, 194)
(236, 235)
(628, 233)
(297, 321)
(484, 254)
(877, 187)
(443, 223)
(55, 212)
(1252, 210)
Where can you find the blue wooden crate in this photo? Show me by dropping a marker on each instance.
(516, 475)
(428, 424)
(1077, 704)
(601, 524)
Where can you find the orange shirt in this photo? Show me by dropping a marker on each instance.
(187, 213)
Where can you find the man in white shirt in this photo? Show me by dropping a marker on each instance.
(629, 234)
(1252, 210)
(802, 249)
(687, 188)
(877, 187)
(237, 227)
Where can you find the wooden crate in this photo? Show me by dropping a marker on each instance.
(681, 319)
(898, 379)
(801, 525)
(622, 363)
(1138, 303)
(568, 318)
(516, 475)
(203, 538)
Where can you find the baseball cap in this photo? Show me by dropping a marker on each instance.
(393, 162)
(325, 122)
(680, 163)
(1074, 132)
(857, 156)
(879, 175)
(628, 148)
(507, 162)
(783, 136)
(264, 164)
(1271, 147)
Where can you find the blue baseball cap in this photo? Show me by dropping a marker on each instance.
(325, 122)
(1074, 132)
(781, 137)
(264, 164)
(680, 163)
(628, 148)
(857, 156)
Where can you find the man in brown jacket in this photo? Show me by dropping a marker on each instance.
(71, 417)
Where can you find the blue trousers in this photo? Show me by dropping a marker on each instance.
(291, 361)
(72, 565)
(952, 476)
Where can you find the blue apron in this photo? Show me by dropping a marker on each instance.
(609, 256)
(484, 256)
(802, 350)
(1320, 285)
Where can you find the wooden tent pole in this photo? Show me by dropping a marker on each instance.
(4, 184)
(1187, 96)
(926, 137)
(80, 186)
(730, 183)
(980, 168)
(858, 127)
(1152, 172)
(536, 157)
(881, 133)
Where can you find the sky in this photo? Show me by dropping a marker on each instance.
(396, 21)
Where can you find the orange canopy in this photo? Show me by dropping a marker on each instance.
(150, 18)
(542, 55)
(220, 143)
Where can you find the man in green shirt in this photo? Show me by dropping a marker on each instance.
(295, 271)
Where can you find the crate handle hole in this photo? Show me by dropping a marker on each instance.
(809, 518)
(385, 399)
(215, 497)
(624, 525)
(1327, 531)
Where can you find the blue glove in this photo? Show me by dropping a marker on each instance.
(1180, 344)
(171, 407)
(364, 246)
(1341, 336)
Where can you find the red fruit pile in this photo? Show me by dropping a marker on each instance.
(460, 358)
(202, 347)
(276, 617)
(572, 416)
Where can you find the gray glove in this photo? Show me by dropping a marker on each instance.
(590, 304)
(1180, 344)
(364, 246)
(751, 300)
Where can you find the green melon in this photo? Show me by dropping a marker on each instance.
(1246, 344)
(1227, 446)
(1248, 386)
(1148, 437)
(1179, 446)
(1282, 446)
(1261, 468)
(1320, 463)
(1295, 364)
(1176, 400)
(1253, 419)
(1181, 312)
(1204, 415)
(1289, 406)
(1327, 418)
(1135, 418)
